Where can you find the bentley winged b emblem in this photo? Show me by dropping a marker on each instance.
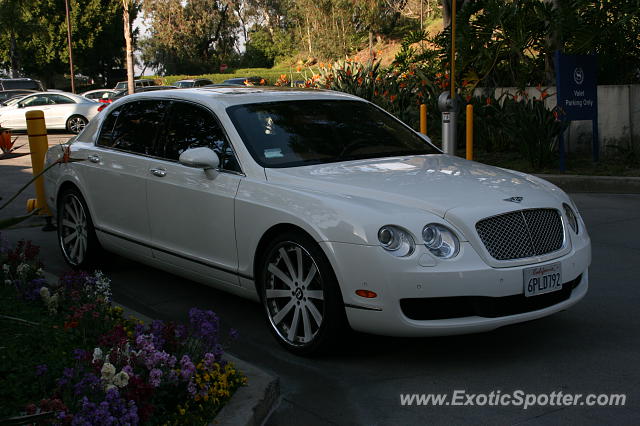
(514, 199)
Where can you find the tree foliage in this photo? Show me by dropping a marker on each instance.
(190, 36)
(33, 37)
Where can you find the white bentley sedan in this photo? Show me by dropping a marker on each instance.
(62, 110)
(323, 207)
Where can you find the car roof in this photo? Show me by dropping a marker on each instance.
(239, 95)
(68, 94)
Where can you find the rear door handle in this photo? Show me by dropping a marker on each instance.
(158, 172)
(93, 158)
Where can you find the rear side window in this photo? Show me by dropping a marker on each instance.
(22, 84)
(60, 99)
(192, 126)
(134, 127)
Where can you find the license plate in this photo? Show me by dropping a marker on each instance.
(542, 279)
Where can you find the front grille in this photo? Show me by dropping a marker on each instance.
(437, 308)
(521, 234)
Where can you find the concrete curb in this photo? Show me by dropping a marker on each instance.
(251, 405)
(595, 184)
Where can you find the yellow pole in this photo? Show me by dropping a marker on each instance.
(453, 49)
(469, 132)
(38, 144)
(423, 119)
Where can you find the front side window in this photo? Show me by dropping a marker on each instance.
(192, 126)
(134, 126)
(36, 100)
(304, 132)
(60, 99)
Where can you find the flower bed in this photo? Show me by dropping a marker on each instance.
(68, 356)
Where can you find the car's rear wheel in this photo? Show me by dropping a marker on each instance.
(76, 123)
(76, 234)
(300, 294)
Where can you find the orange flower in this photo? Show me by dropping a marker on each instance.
(329, 66)
(349, 71)
(283, 76)
(299, 68)
(403, 85)
(393, 98)
(423, 82)
(488, 100)
(515, 98)
(468, 98)
(375, 92)
(321, 65)
(385, 93)
(360, 80)
(544, 95)
(555, 115)
(262, 82)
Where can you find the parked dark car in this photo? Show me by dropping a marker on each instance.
(5, 95)
(21, 83)
(193, 82)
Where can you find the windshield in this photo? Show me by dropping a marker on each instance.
(298, 133)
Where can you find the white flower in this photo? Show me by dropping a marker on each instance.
(97, 354)
(40, 272)
(7, 282)
(109, 387)
(121, 379)
(23, 269)
(6, 268)
(108, 371)
(44, 293)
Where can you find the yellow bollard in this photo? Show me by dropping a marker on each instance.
(469, 132)
(423, 119)
(38, 144)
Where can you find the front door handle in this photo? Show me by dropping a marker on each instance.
(158, 172)
(93, 158)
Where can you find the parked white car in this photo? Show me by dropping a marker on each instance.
(61, 111)
(321, 206)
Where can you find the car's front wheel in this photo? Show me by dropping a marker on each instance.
(76, 234)
(300, 294)
(76, 123)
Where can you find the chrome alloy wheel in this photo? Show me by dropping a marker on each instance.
(73, 230)
(294, 294)
(76, 124)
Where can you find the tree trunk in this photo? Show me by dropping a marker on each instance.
(129, 46)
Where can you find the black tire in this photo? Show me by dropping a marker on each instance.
(76, 123)
(73, 219)
(305, 311)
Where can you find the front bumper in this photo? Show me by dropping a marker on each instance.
(420, 277)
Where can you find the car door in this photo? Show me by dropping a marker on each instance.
(62, 107)
(192, 215)
(117, 172)
(14, 118)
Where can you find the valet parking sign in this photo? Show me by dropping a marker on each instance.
(577, 93)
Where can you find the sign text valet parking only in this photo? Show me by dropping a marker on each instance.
(576, 79)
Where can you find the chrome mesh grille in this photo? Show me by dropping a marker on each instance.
(521, 234)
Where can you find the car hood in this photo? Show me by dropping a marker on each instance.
(437, 183)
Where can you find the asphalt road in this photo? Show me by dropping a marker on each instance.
(592, 348)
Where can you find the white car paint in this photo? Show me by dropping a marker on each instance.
(340, 205)
(56, 115)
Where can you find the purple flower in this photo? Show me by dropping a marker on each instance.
(187, 369)
(41, 370)
(154, 377)
(204, 325)
(113, 410)
(67, 375)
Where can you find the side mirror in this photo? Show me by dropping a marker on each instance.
(20, 105)
(201, 158)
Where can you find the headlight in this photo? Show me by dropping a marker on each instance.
(440, 240)
(573, 220)
(396, 241)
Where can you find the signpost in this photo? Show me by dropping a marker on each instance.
(577, 94)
